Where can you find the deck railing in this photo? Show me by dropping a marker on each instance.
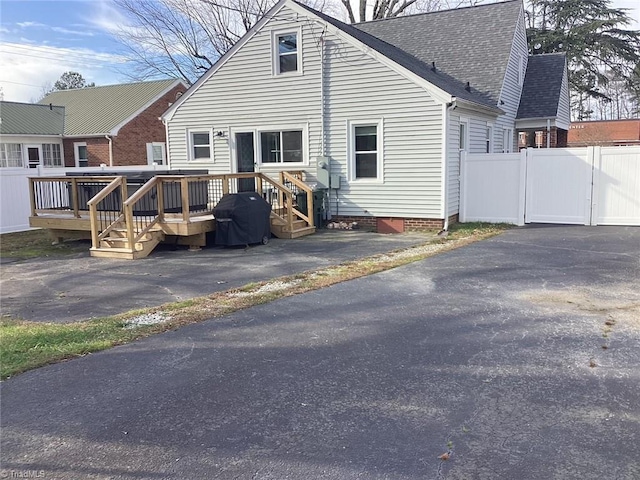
(64, 195)
(163, 198)
(106, 209)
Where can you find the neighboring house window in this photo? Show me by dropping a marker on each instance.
(522, 140)
(489, 139)
(539, 139)
(200, 145)
(51, 156)
(365, 155)
(81, 154)
(11, 155)
(507, 140)
(287, 52)
(156, 153)
(281, 147)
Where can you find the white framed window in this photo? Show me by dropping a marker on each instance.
(287, 52)
(463, 135)
(507, 140)
(200, 145)
(489, 139)
(51, 156)
(365, 151)
(539, 139)
(156, 153)
(281, 146)
(80, 153)
(11, 155)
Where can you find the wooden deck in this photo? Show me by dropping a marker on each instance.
(175, 209)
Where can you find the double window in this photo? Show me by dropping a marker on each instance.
(507, 140)
(365, 151)
(287, 52)
(200, 145)
(281, 147)
(11, 155)
(51, 155)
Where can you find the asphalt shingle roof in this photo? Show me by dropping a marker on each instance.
(98, 110)
(469, 44)
(439, 78)
(542, 85)
(30, 119)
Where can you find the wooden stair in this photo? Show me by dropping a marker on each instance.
(299, 228)
(116, 245)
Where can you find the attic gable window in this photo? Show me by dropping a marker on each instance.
(287, 57)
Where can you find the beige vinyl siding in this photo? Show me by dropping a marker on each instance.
(244, 95)
(511, 89)
(360, 89)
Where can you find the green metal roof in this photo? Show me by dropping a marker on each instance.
(99, 110)
(30, 119)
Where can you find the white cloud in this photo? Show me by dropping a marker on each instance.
(72, 32)
(30, 24)
(27, 68)
(4, 30)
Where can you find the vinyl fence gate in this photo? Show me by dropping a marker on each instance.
(584, 186)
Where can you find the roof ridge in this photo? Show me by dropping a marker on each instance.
(45, 105)
(547, 54)
(116, 85)
(433, 12)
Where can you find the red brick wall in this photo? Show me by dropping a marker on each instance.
(410, 224)
(607, 132)
(97, 151)
(130, 145)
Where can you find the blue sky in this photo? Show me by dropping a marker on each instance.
(40, 40)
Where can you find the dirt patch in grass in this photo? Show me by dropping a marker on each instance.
(25, 345)
(37, 243)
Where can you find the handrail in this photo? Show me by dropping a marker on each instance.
(93, 207)
(132, 236)
(310, 217)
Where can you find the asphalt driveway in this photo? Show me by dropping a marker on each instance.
(492, 353)
(79, 287)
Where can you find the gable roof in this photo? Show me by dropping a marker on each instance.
(542, 86)
(470, 44)
(395, 39)
(103, 110)
(440, 79)
(30, 119)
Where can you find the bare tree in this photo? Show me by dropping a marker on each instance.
(379, 9)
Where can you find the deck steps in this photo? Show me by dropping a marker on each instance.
(117, 245)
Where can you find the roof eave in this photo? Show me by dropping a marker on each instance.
(478, 107)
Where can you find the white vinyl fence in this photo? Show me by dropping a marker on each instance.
(586, 186)
(15, 205)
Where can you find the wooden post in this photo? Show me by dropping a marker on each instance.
(93, 215)
(257, 177)
(160, 197)
(74, 197)
(124, 190)
(310, 210)
(32, 197)
(128, 218)
(184, 190)
(225, 185)
(289, 211)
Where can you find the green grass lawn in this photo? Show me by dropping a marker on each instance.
(37, 243)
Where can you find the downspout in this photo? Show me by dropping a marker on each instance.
(166, 139)
(446, 108)
(108, 137)
(322, 139)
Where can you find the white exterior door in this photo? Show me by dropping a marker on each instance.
(559, 186)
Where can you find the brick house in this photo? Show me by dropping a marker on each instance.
(115, 125)
(604, 132)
